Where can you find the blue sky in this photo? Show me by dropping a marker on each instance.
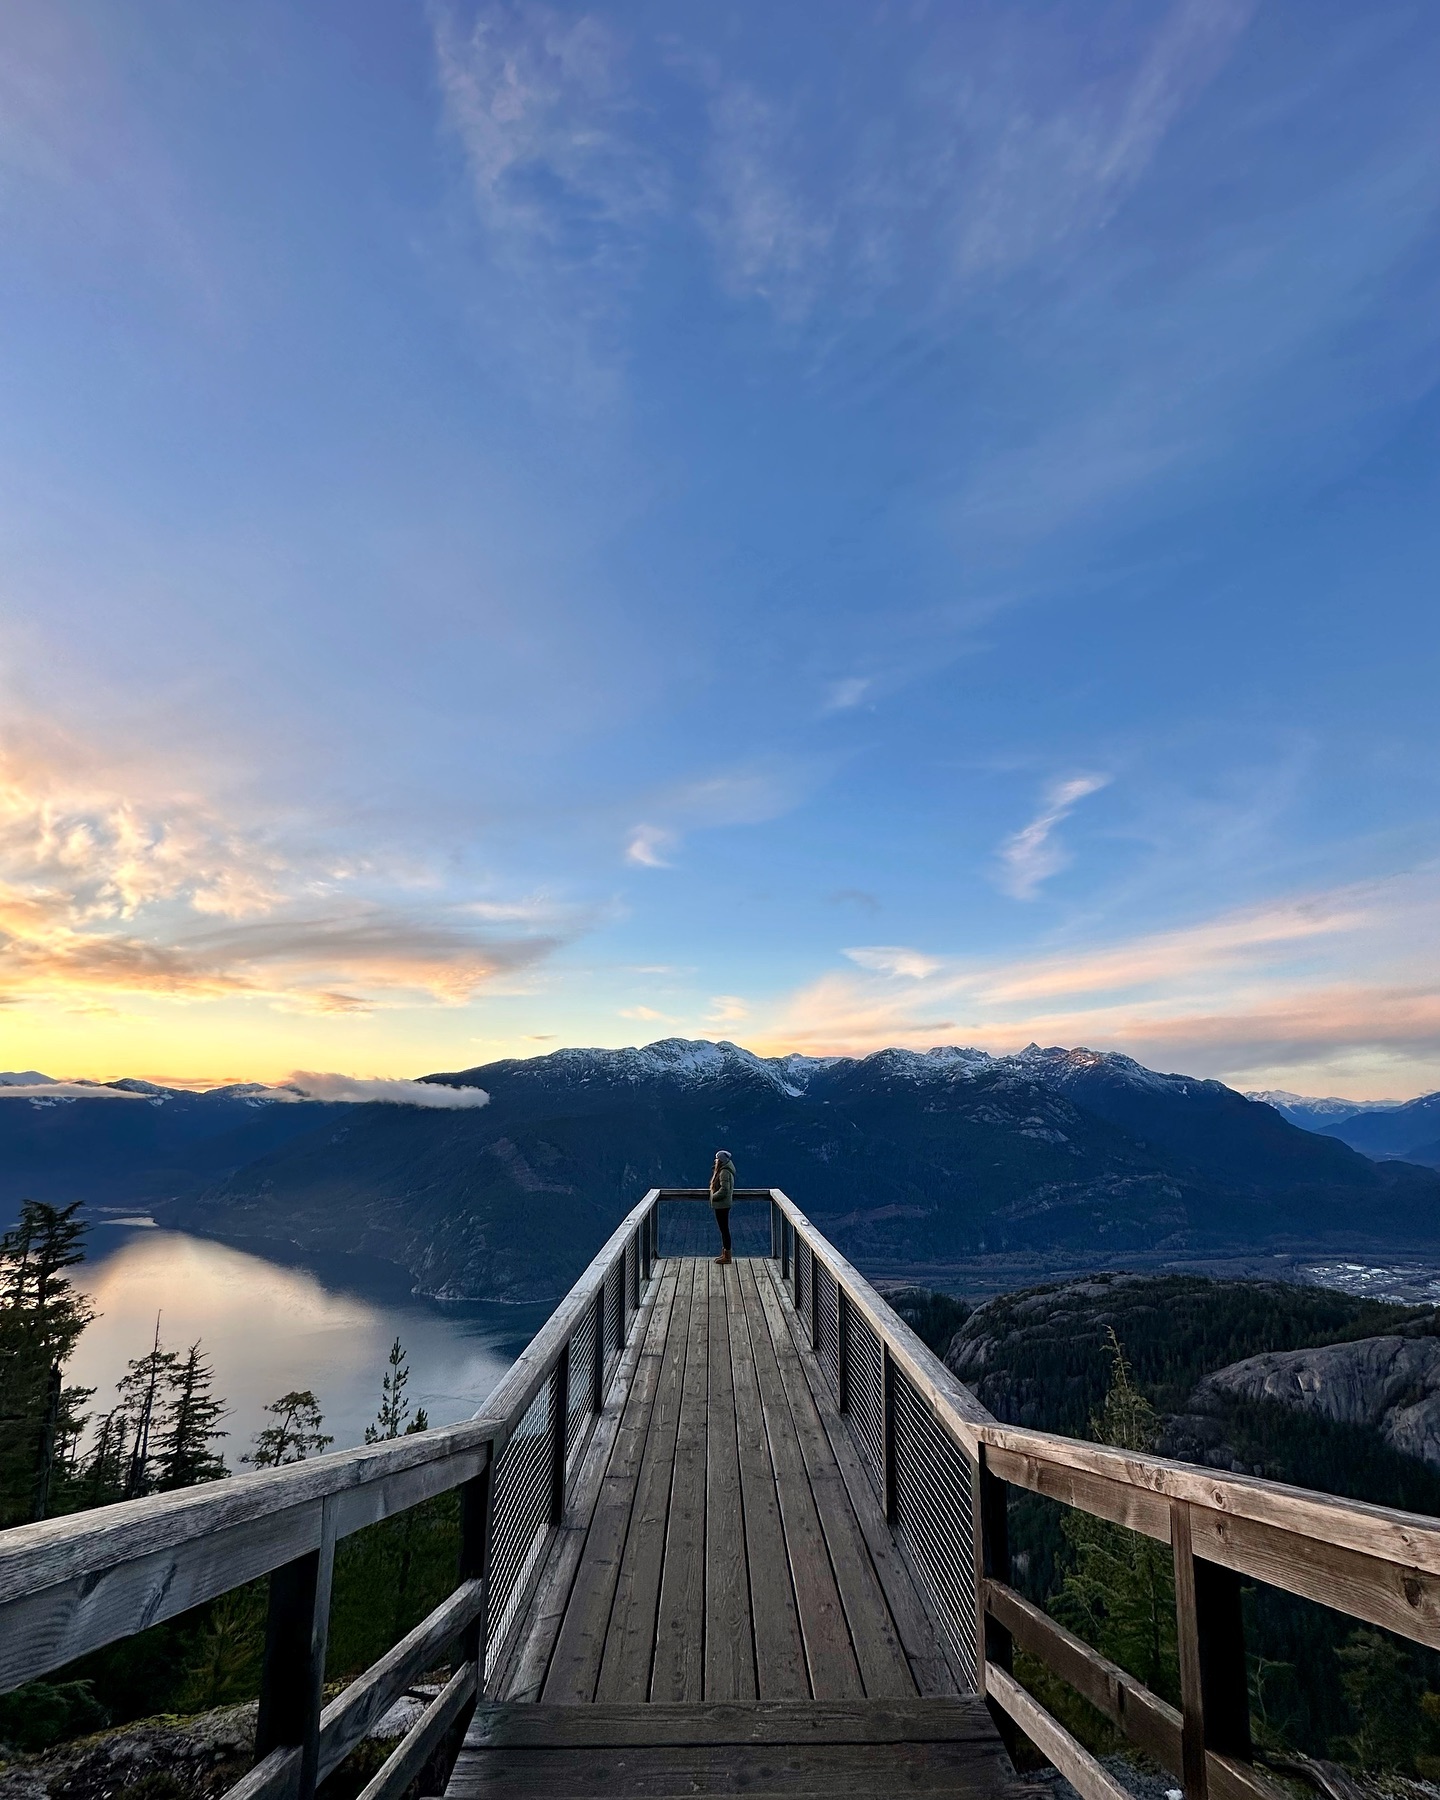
(525, 525)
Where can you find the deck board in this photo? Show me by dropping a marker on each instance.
(834, 1672)
(804, 1748)
(678, 1664)
(575, 1664)
(780, 1668)
(884, 1670)
(724, 1609)
(628, 1652)
(729, 1624)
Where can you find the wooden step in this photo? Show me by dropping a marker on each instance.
(794, 1748)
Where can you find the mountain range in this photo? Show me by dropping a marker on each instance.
(906, 1160)
(1408, 1130)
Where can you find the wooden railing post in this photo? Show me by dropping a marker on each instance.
(1210, 1638)
(643, 1233)
(887, 1414)
(635, 1285)
(559, 1434)
(990, 1509)
(477, 1522)
(785, 1236)
(774, 1232)
(814, 1307)
(842, 1349)
(292, 1680)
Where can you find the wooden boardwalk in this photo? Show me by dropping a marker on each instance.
(724, 1609)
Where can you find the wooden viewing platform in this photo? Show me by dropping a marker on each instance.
(721, 1545)
(723, 1531)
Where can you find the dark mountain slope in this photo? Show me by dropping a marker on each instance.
(1400, 1132)
(135, 1152)
(900, 1158)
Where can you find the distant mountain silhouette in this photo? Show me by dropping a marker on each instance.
(1411, 1132)
(131, 1143)
(904, 1159)
(1314, 1114)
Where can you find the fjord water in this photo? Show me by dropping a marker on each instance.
(269, 1327)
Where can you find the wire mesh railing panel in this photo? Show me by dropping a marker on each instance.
(521, 1517)
(582, 1381)
(614, 1308)
(933, 1518)
(867, 1396)
(688, 1228)
(631, 1292)
(827, 1313)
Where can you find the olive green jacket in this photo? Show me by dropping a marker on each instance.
(722, 1188)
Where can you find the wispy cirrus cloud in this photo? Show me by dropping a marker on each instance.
(1339, 979)
(650, 847)
(894, 959)
(1033, 855)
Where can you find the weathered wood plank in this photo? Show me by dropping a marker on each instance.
(781, 1671)
(1409, 1540)
(1148, 1721)
(729, 1632)
(521, 1673)
(1385, 1593)
(678, 1667)
(1136, 1508)
(424, 1737)
(876, 1643)
(831, 1771)
(834, 1672)
(914, 1720)
(1089, 1779)
(629, 1642)
(929, 1666)
(351, 1714)
(274, 1777)
(580, 1642)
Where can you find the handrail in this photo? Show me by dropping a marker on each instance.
(71, 1585)
(1374, 1562)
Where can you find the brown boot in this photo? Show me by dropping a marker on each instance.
(723, 1258)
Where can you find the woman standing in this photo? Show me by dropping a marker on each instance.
(722, 1193)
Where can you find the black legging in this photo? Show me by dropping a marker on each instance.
(722, 1219)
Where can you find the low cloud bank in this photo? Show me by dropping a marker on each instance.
(311, 1084)
(41, 1088)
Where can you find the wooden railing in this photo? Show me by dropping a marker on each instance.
(69, 1586)
(1373, 1563)
(942, 1467)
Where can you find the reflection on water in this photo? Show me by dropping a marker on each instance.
(269, 1328)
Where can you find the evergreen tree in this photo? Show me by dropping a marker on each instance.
(1119, 1592)
(103, 1478)
(1380, 1683)
(41, 1319)
(295, 1434)
(143, 1390)
(394, 1407)
(192, 1423)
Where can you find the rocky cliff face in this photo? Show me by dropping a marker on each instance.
(1391, 1384)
